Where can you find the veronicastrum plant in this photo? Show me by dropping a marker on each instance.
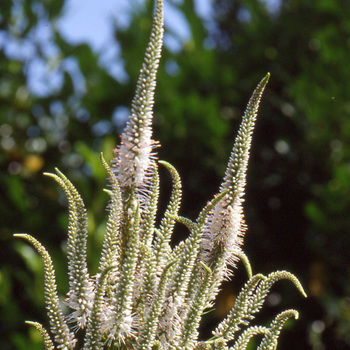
(147, 294)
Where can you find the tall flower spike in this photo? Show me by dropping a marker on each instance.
(133, 157)
(222, 236)
(235, 176)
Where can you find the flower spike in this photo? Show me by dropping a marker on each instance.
(58, 324)
(111, 242)
(149, 294)
(133, 157)
(235, 176)
(44, 335)
(93, 339)
(223, 234)
(269, 341)
(244, 338)
(80, 286)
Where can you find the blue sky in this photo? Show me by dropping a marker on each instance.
(90, 20)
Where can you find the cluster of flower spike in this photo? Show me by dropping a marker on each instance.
(148, 294)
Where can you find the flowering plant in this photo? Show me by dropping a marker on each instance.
(147, 294)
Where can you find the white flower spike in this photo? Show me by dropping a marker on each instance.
(134, 156)
(149, 295)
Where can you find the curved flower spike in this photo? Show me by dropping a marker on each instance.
(269, 341)
(80, 286)
(44, 335)
(243, 340)
(58, 324)
(133, 157)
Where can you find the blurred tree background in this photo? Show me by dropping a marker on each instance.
(60, 107)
